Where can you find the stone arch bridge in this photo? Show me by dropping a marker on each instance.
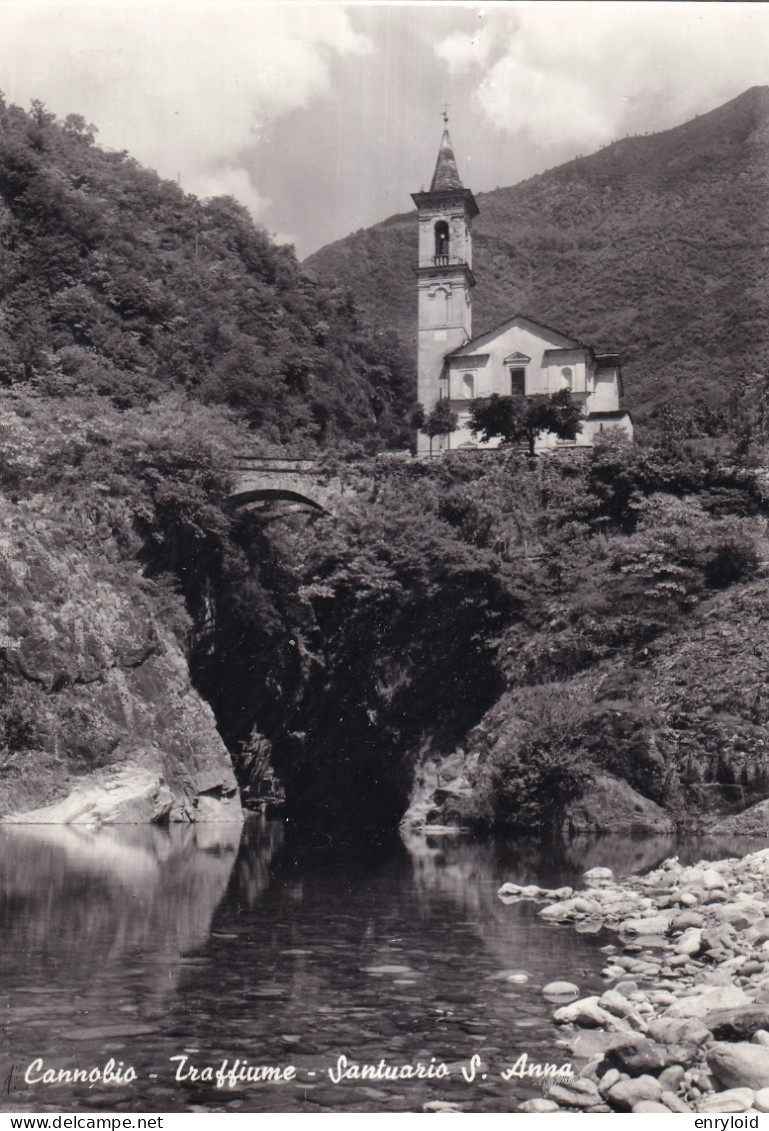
(300, 482)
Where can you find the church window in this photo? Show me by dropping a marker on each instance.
(441, 241)
(517, 382)
(468, 386)
(567, 375)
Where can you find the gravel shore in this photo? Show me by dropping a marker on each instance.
(683, 1024)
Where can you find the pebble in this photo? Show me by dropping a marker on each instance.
(670, 1078)
(690, 976)
(538, 1105)
(674, 1102)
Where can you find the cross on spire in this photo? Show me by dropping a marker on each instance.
(445, 113)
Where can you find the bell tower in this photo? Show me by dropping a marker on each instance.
(444, 280)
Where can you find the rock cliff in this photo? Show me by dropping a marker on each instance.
(105, 726)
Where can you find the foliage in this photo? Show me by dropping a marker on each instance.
(118, 283)
(514, 419)
(535, 768)
(523, 610)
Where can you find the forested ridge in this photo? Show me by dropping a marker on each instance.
(115, 282)
(522, 624)
(653, 247)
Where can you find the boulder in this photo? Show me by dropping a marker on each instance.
(608, 1080)
(690, 942)
(597, 877)
(625, 1094)
(708, 1001)
(739, 1065)
(570, 1097)
(761, 1100)
(683, 920)
(560, 989)
(732, 1100)
(123, 795)
(738, 1024)
(557, 912)
(650, 1105)
(741, 914)
(678, 1031)
(619, 1005)
(651, 925)
(588, 1013)
(611, 805)
(758, 932)
(586, 906)
(509, 889)
(711, 879)
(670, 1078)
(649, 1058)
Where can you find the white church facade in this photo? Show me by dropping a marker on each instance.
(521, 357)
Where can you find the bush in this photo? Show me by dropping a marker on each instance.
(534, 770)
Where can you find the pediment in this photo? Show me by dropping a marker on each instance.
(549, 337)
(517, 358)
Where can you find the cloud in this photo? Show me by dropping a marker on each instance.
(462, 51)
(587, 73)
(185, 85)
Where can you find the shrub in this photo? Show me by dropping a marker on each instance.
(536, 768)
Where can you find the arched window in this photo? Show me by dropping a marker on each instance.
(468, 386)
(441, 240)
(567, 375)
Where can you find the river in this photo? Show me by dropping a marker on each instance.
(170, 951)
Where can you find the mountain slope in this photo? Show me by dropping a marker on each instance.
(115, 282)
(654, 246)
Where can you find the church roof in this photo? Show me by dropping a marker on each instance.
(481, 339)
(446, 175)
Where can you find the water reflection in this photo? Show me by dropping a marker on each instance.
(143, 944)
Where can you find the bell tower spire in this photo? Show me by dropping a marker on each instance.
(444, 278)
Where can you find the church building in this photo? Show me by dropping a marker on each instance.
(521, 357)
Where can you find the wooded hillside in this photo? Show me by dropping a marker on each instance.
(115, 282)
(654, 246)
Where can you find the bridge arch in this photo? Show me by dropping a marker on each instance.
(260, 479)
(267, 494)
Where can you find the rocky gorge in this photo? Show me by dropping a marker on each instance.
(683, 1025)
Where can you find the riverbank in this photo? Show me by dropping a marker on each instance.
(684, 1022)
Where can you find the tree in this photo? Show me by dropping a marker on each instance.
(440, 422)
(75, 125)
(515, 419)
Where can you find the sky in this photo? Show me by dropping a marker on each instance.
(323, 117)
